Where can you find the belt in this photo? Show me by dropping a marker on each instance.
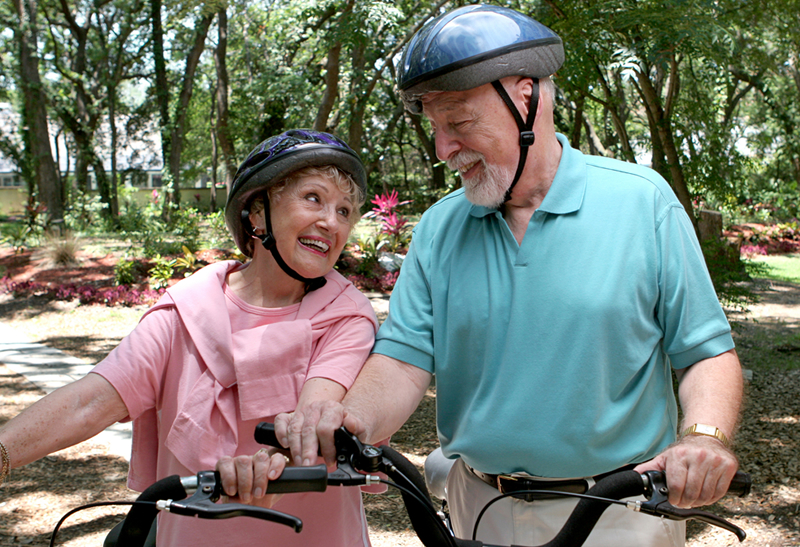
(508, 484)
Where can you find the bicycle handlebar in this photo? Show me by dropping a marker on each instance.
(355, 463)
(353, 456)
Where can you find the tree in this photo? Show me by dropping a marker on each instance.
(173, 117)
(45, 183)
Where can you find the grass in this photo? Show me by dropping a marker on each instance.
(781, 267)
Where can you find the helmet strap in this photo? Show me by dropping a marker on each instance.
(526, 135)
(269, 243)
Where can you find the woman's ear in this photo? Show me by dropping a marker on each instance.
(257, 222)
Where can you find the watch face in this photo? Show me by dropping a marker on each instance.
(706, 429)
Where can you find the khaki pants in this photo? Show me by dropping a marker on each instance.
(516, 522)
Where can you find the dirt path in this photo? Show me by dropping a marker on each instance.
(768, 342)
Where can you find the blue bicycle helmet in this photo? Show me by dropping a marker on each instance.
(475, 45)
(269, 163)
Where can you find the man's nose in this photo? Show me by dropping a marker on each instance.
(446, 144)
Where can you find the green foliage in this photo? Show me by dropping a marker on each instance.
(368, 246)
(84, 212)
(188, 262)
(161, 272)
(18, 235)
(218, 235)
(125, 271)
(185, 227)
(730, 274)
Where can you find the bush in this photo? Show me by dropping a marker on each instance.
(18, 235)
(125, 271)
(161, 272)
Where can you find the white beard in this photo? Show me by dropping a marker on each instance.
(488, 188)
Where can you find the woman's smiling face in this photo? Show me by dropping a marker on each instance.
(311, 221)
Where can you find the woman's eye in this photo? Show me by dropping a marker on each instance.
(312, 197)
(345, 212)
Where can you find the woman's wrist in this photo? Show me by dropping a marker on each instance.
(5, 467)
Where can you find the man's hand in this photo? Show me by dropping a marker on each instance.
(699, 470)
(245, 478)
(309, 432)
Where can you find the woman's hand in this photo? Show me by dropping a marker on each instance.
(245, 478)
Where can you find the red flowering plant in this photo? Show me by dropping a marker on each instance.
(373, 260)
(86, 294)
(392, 224)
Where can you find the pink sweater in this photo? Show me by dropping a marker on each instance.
(202, 368)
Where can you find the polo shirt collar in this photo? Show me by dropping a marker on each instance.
(569, 185)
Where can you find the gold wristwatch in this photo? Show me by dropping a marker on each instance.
(707, 430)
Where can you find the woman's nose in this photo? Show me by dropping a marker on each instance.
(327, 218)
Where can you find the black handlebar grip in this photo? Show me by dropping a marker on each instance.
(265, 434)
(741, 484)
(300, 479)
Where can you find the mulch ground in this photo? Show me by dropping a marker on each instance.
(37, 495)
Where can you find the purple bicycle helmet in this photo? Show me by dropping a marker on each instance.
(269, 163)
(476, 45)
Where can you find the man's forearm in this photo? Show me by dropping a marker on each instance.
(711, 393)
(385, 394)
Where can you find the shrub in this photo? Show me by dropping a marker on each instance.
(161, 272)
(219, 237)
(125, 271)
(18, 235)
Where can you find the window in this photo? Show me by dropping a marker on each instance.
(11, 181)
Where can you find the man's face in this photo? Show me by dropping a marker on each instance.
(477, 136)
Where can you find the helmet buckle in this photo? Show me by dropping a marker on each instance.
(526, 138)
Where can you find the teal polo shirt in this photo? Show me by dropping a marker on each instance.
(553, 357)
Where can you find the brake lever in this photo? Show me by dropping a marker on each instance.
(202, 505)
(353, 457)
(657, 504)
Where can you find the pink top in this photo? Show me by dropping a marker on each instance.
(203, 367)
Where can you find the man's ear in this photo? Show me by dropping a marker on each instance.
(523, 90)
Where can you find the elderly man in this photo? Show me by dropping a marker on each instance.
(552, 297)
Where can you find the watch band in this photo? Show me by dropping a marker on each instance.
(708, 431)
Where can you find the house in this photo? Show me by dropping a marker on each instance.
(138, 165)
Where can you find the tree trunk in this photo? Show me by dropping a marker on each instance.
(46, 180)
(437, 167)
(161, 87)
(331, 87)
(112, 114)
(172, 194)
(577, 125)
(667, 140)
(223, 137)
(214, 153)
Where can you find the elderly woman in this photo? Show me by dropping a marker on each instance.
(235, 344)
